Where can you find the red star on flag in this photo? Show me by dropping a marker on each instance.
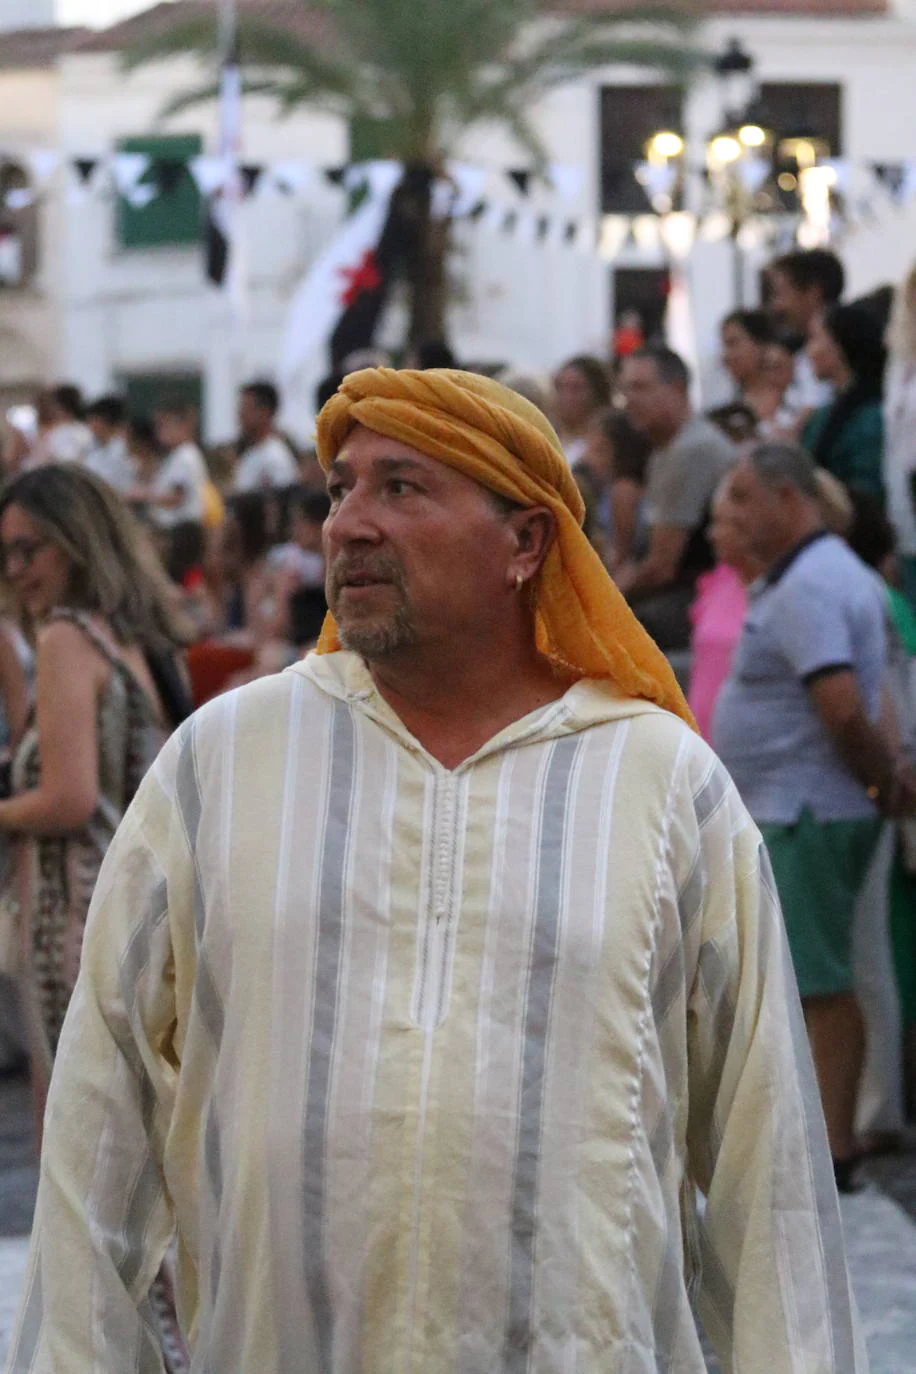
(365, 276)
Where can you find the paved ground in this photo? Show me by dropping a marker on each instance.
(880, 1229)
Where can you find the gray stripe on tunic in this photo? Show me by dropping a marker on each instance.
(206, 997)
(22, 1356)
(148, 1184)
(541, 975)
(711, 794)
(333, 850)
(823, 1187)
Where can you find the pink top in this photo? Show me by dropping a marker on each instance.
(717, 615)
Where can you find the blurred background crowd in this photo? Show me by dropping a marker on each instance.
(149, 574)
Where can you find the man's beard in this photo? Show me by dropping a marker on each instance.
(383, 633)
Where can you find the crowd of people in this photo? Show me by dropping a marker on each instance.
(769, 548)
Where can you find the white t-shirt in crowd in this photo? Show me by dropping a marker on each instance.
(267, 464)
(184, 468)
(68, 442)
(113, 464)
(305, 564)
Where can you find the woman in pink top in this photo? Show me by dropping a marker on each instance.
(718, 611)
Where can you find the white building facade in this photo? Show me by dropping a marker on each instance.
(106, 311)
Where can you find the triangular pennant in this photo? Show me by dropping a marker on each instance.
(753, 172)
(892, 176)
(541, 228)
(842, 171)
(290, 176)
(909, 181)
(658, 178)
(209, 173)
(615, 230)
(334, 176)
(128, 168)
(678, 232)
(139, 196)
(646, 233)
(715, 226)
(84, 168)
(251, 175)
(468, 183)
(566, 179)
(42, 163)
(571, 231)
(168, 172)
(521, 177)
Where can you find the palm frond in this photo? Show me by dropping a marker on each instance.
(199, 95)
(199, 36)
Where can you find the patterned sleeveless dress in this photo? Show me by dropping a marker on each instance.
(57, 875)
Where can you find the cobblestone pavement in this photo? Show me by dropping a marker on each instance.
(880, 1227)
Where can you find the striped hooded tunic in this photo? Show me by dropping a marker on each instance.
(426, 1067)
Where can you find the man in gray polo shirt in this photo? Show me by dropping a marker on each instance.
(797, 726)
(690, 456)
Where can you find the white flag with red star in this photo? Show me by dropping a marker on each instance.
(345, 268)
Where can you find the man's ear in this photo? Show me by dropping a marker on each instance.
(535, 529)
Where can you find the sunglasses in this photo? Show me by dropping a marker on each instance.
(20, 553)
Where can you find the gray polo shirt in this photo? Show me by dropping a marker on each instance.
(681, 480)
(820, 610)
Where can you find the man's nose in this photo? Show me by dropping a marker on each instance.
(355, 519)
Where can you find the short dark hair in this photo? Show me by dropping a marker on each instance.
(250, 509)
(141, 430)
(70, 399)
(594, 372)
(110, 409)
(806, 267)
(669, 365)
(265, 394)
(776, 463)
(755, 323)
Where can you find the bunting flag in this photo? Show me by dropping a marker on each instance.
(516, 201)
(342, 295)
(128, 169)
(222, 237)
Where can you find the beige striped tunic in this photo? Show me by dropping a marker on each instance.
(426, 1065)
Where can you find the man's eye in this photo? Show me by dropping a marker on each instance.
(397, 487)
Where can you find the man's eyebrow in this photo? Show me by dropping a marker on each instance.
(387, 465)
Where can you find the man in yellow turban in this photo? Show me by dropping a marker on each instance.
(428, 983)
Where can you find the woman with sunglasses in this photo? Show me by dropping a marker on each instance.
(108, 692)
(109, 689)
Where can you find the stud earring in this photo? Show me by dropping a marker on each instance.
(519, 582)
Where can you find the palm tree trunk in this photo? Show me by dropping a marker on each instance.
(427, 259)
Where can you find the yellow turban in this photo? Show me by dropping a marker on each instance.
(506, 444)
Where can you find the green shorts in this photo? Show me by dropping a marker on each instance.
(820, 867)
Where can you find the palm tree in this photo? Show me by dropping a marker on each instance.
(414, 76)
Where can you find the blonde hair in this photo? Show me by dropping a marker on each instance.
(901, 329)
(114, 571)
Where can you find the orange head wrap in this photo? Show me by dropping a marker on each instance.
(502, 441)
